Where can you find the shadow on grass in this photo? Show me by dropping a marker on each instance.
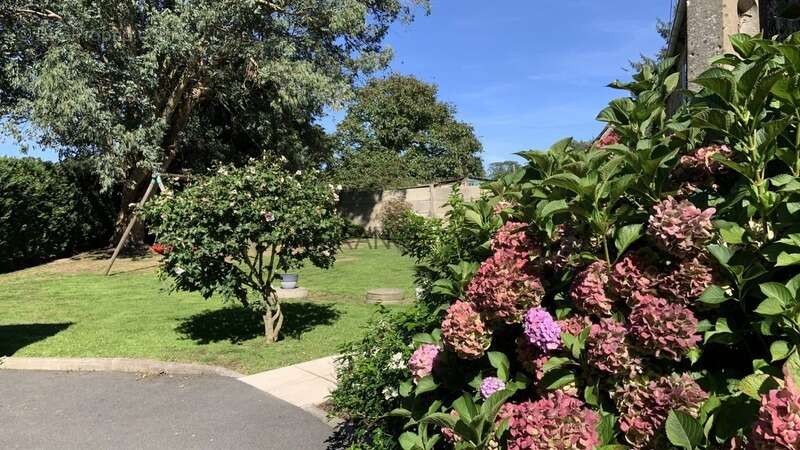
(15, 337)
(237, 323)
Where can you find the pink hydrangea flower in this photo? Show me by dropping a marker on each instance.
(701, 164)
(778, 423)
(644, 407)
(633, 273)
(464, 332)
(607, 350)
(531, 358)
(505, 287)
(542, 330)
(555, 422)
(423, 360)
(663, 329)
(512, 236)
(588, 290)
(491, 385)
(687, 281)
(609, 138)
(575, 325)
(680, 228)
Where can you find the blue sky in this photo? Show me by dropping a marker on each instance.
(524, 73)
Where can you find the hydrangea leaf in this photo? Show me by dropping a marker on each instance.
(684, 430)
(792, 368)
(500, 361)
(713, 295)
(779, 350)
(426, 384)
(626, 236)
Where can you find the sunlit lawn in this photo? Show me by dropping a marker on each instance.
(68, 309)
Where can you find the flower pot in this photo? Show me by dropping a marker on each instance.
(289, 280)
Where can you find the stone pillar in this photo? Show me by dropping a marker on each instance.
(709, 25)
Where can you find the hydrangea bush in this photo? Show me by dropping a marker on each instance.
(640, 294)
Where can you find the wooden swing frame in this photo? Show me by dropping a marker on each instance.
(155, 181)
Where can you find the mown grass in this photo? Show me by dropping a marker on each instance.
(57, 310)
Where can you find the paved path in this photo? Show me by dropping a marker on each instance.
(305, 385)
(67, 410)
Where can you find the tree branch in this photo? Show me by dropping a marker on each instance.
(46, 14)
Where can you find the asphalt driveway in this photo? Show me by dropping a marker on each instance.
(70, 410)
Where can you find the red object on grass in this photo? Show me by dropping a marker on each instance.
(161, 249)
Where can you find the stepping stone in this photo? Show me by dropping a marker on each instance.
(291, 294)
(385, 296)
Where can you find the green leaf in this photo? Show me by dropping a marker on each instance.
(399, 412)
(721, 253)
(792, 368)
(426, 384)
(732, 234)
(718, 81)
(684, 430)
(410, 441)
(606, 428)
(770, 307)
(777, 291)
(779, 350)
(756, 384)
(554, 207)
(440, 419)
(626, 236)
(557, 378)
(787, 259)
(713, 295)
(500, 361)
(465, 407)
(405, 388)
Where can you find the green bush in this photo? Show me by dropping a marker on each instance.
(50, 210)
(233, 233)
(643, 293)
(414, 234)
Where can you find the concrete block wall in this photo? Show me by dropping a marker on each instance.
(364, 208)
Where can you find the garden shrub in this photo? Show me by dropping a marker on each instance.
(50, 210)
(232, 233)
(414, 234)
(643, 293)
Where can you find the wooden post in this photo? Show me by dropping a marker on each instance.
(124, 239)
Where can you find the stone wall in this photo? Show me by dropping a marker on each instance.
(364, 208)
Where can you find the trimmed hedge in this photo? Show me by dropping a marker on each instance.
(50, 210)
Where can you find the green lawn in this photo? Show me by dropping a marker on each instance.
(68, 309)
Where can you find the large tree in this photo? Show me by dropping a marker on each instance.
(147, 85)
(397, 132)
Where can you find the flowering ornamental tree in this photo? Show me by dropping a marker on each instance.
(230, 234)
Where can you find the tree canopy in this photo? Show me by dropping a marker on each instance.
(397, 132)
(499, 169)
(142, 85)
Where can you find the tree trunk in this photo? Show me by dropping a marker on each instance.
(273, 321)
(130, 196)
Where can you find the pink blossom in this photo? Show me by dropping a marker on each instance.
(531, 358)
(505, 287)
(663, 329)
(607, 350)
(610, 137)
(574, 325)
(423, 360)
(778, 423)
(700, 163)
(687, 281)
(556, 422)
(464, 332)
(633, 273)
(588, 290)
(644, 407)
(680, 228)
(512, 236)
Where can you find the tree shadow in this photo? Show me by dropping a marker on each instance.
(15, 337)
(237, 323)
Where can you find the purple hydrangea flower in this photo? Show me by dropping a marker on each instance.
(541, 330)
(491, 385)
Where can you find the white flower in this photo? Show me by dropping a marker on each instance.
(397, 362)
(390, 393)
(268, 216)
(299, 172)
